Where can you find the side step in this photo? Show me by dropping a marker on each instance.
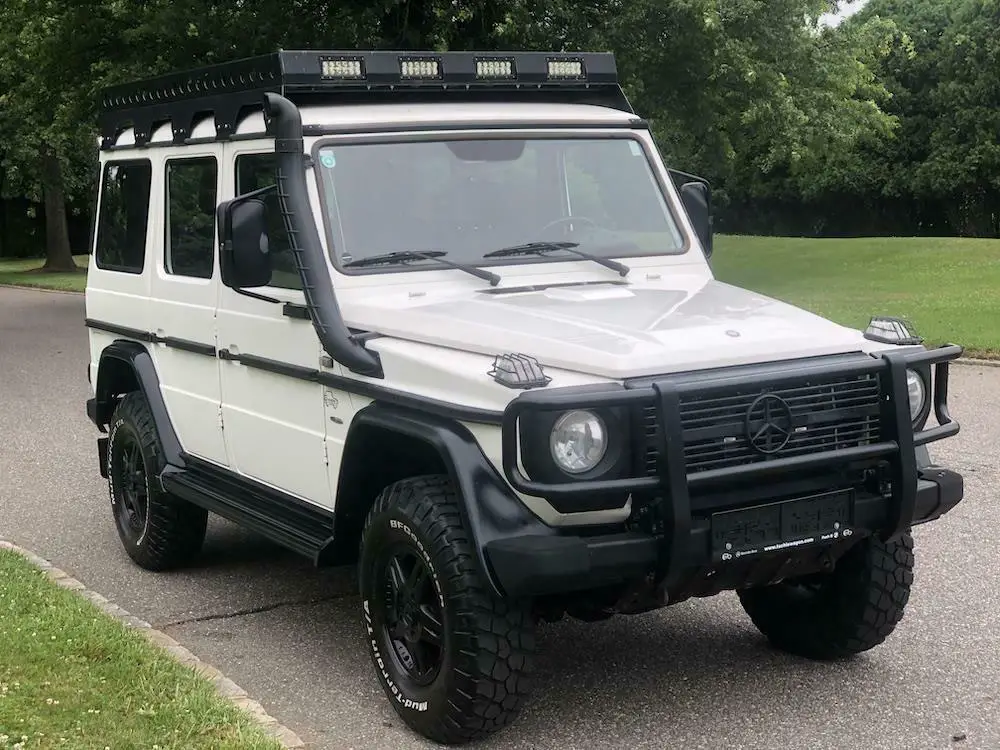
(288, 521)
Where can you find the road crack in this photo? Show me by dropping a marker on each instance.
(249, 611)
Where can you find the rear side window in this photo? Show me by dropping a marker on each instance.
(123, 216)
(256, 171)
(189, 246)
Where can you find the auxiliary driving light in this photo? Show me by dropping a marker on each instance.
(494, 69)
(342, 68)
(565, 69)
(578, 442)
(410, 68)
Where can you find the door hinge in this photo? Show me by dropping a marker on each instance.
(326, 453)
(222, 424)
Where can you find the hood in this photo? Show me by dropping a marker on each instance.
(615, 330)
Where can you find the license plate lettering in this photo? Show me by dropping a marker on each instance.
(751, 531)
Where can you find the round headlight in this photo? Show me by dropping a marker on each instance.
(917, 392)
(578, 442)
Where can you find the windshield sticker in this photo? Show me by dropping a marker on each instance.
(327, 159)
(635, 148)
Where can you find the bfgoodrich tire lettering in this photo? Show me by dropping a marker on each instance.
(476, 681)
(842, 613)
(158, 531)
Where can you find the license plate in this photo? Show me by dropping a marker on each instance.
(737, 534)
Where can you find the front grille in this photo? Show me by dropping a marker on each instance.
(834, 413)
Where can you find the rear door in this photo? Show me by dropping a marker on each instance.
(184, 286)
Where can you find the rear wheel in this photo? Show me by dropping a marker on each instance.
(158, 530)
(453, 659)
(838, 614)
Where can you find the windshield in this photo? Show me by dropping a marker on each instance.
(470, 197)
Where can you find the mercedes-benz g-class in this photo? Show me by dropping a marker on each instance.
(451, 318)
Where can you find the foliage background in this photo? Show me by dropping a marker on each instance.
(886, 124)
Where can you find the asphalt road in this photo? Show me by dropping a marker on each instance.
(694, 676)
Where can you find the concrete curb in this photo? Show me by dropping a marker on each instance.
(40, 289)
(973, 362)
(225, 687)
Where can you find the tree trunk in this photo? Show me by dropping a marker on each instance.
(58, 255)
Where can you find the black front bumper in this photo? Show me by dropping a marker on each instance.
(539, 565)
(563, 562)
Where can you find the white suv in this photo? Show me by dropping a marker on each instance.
(449, 317)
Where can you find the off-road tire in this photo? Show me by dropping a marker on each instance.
(841, 613)
(487, 643)
(163, 532)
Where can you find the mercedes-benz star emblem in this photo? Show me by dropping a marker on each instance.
(769, 424)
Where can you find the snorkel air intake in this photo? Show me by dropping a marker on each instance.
(293, 197)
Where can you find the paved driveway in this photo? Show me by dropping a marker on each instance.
(694, 676)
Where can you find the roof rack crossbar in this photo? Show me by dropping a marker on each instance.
(228, 91)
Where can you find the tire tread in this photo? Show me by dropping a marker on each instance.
(176, 528)
(495, 637)
(864, 603)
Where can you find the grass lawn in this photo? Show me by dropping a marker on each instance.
(948, 288)
(73, 677)
(28, 273)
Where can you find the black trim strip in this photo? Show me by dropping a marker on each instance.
(369, 390)
(194, 347)
(132, 333)
(278, 368)
(186, 345)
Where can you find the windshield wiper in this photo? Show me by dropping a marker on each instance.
(403, 256)
(541, 248)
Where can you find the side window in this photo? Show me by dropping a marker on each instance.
(255, 171)
(123, 216)
(189, 246)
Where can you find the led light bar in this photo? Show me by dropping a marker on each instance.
(495, 69)
(230, 89)
(566, 69)
(342, 67)
(419, 68)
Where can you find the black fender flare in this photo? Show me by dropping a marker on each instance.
(117, 359)
(491, 512)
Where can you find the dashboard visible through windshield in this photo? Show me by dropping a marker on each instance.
(467, 198)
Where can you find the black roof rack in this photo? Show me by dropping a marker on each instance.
(228, 91)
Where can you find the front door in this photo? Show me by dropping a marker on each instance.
(273, 415)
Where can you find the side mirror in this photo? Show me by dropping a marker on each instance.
(245, 257)
(697, 200)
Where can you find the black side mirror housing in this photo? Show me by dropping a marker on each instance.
(244, 256)
(696, 195)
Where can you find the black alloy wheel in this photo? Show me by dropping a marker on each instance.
(413, 622)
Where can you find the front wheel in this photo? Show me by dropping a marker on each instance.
(838, 614)
(453, 659)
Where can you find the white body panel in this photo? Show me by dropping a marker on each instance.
(440, 331)
(275, 425)
(184, 307)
